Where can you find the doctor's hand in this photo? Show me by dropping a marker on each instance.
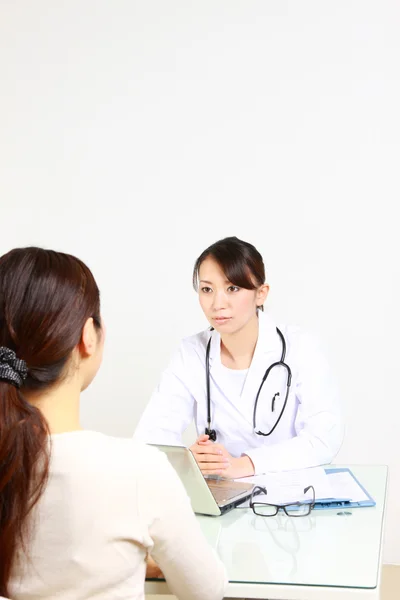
(214, 459)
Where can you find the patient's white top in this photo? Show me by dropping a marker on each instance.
(108, 502)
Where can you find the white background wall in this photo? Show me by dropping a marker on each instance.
(134, 134)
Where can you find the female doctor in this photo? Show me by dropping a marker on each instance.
(262, 395)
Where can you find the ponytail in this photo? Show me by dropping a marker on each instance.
(24, 466)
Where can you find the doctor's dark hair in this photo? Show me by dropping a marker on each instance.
(45, 299)
(241, 262)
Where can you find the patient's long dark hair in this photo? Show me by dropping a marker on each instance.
(45, 299)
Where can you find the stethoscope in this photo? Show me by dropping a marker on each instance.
(280, 363)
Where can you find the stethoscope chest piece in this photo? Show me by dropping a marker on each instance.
(212, 434)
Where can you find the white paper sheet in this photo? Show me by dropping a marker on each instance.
(345, 486)
(289, 486)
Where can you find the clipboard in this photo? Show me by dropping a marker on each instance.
(337, 502)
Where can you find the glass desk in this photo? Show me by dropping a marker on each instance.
(329, 555)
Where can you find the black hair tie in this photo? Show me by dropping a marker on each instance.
(12, 369)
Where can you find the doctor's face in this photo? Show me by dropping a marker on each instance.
(227, 307)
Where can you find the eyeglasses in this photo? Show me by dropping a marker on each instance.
(293, 509)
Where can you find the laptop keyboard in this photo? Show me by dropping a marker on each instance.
(223, 491)
(222, 496)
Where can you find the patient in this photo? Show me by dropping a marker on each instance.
(79, 511)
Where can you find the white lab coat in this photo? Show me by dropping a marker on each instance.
(310, 431)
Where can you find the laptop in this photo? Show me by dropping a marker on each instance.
(209, 496)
